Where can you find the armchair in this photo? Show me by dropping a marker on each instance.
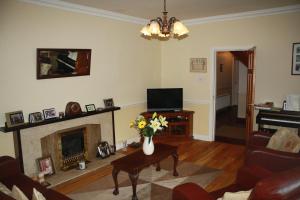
(271, 174)
(270, 159)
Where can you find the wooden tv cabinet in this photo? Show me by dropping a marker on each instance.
(180, 123)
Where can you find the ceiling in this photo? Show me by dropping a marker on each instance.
(182, 9)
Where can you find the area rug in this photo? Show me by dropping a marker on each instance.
(152, 184)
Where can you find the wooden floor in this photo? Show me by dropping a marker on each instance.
(228, 157)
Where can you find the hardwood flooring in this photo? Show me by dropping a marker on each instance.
(228, 157)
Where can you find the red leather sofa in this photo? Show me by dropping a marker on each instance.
(10, 175)
(272, 175)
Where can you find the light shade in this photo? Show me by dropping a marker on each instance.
(146, 30)
(179, 28)
(154, 28)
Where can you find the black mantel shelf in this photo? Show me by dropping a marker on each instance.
(16, 130)
(56, 120)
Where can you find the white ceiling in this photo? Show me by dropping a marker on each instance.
(182, 9)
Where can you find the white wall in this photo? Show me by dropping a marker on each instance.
(273, 37)
(123, 63)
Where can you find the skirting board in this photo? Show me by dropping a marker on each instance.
(202, 137)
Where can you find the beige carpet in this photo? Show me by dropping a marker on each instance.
(152, 184)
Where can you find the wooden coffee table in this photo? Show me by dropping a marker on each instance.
(137, 161)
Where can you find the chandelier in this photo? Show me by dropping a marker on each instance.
(164, 28)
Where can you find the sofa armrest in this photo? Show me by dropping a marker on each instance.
(271, 160)
(284, 185)
(260, 138)
(190, 191)
(8, 167)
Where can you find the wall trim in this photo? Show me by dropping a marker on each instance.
(87, 10)
(202, 137)
(197, 102)
(243, 15)
(136, 20)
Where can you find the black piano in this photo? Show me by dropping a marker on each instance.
(278, 118)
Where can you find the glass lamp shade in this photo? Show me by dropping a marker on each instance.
(154, 28)
(179, 29)
(146, 30)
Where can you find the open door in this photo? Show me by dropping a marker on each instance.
(250, 93)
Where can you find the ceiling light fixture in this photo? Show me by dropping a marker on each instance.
(164, 28)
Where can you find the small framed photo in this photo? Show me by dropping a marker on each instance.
(49, 113)
(296, 59)
(35, 117)
(108, 103)
(14, 118)
(90, 108)
(45, 165)
(198, 65)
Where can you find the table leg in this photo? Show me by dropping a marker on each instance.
(133, 178)
(115, 173)
(158, 167)
(175, 157)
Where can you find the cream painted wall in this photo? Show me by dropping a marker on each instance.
(120, 67)
(273, 37)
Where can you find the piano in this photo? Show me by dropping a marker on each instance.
(278, 118)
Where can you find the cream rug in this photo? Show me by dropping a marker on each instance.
(152, 184)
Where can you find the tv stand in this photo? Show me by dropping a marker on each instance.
(180, 123)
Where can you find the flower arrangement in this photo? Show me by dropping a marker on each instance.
(149, 128)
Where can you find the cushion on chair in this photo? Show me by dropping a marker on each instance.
(241, 195)
(18, 194)
(285, 139)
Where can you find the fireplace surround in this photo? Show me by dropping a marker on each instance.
(68, 146)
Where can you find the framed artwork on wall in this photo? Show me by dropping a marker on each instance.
(57, 63)
(296, 59)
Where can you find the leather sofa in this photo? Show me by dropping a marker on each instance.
(10, 175)
(271, 174)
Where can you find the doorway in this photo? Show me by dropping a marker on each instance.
(233, 95)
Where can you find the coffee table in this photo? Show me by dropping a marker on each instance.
(137, 161)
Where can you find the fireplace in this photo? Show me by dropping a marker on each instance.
(72, 143)
(67, 147)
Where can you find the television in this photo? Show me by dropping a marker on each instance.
(164, 99)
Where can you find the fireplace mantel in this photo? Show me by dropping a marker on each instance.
(17, 129)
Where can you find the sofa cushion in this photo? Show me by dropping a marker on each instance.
(18, 194)
(4, 189)
(37, 195)
(241, 195)
(25, 183)
(285, 139)
(5, 196)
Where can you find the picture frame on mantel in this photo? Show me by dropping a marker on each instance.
(296, 59)
(58, 63)
(15, 118)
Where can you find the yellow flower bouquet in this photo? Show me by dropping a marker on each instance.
(149, 128)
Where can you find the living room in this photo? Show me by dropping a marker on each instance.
(124, 64)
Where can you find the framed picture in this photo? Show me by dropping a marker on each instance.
(57, 63)
(45, 165)
(108, 103)
(35, 117)
(14, 118)
(198, 65)
(49, 113)
(90, 108)
(296, 59)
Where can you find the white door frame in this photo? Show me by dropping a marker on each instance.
(212, 98)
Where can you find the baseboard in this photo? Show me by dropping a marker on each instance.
(130, 140)
(202, 137)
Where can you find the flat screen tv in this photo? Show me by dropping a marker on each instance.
(164, 99)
